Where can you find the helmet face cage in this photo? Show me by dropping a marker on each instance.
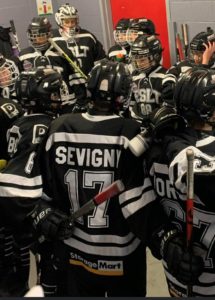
(39, 31)
(67, 18)
(146, 53)
(8, 73)
(120, 32)
(120, 37)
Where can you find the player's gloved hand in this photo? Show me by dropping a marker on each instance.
(52, 223)
(186, 266)
(168, 91)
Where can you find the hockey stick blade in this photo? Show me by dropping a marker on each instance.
(112, 190)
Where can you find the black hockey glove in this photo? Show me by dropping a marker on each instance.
(52, 223)
(186, 266)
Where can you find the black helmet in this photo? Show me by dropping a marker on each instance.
(138, 27)
(120, 32)
(39, 28)
(194, 94)
(39, 90)
(109, 80)
(146, 47)
(197, 47)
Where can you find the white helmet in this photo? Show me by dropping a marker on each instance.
(8, 72)
(66, 11)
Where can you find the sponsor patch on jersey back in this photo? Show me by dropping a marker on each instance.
(101, 267)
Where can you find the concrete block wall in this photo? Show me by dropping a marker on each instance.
(95, 15)
(197, 14)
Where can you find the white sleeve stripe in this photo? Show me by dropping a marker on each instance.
(127, 195)
(19, 180)
(103, 250)
(169, 78)
(133, 207)
(135, 192)
(10, 192)
(105, 239)
(84, 138)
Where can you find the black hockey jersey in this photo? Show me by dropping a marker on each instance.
(21, 181)
(168, 167)
(73, 87)
(86, 154)
(9, 112)
(84, 46)
(20, 189)
(146, 92)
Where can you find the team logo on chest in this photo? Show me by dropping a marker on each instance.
(38, 133)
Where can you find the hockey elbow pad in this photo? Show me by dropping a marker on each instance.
(51, 223)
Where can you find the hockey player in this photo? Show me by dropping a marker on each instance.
(148, 73)
(83, 44)
(9, 73)
(120, 51)
(201, 53)
(20, 180)
(84, 153)
(139, 26)
(41, 54)
(195, 101)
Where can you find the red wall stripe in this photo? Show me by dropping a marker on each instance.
(151, 9)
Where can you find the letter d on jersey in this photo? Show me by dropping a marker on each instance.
(39, 131)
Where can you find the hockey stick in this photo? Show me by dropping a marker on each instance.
(14, 39)
(189, 205)
(179, 47)
(185, 36)
(70, 61)
(178, 44)
(112, 190)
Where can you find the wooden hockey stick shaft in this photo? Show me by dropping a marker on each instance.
(176, 49)
(112, 190)
(186, 42)
(71, 62)
(179, 47)
(189, 205)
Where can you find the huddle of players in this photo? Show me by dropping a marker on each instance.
(49, 87)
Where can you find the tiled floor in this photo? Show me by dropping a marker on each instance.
(156, 283)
